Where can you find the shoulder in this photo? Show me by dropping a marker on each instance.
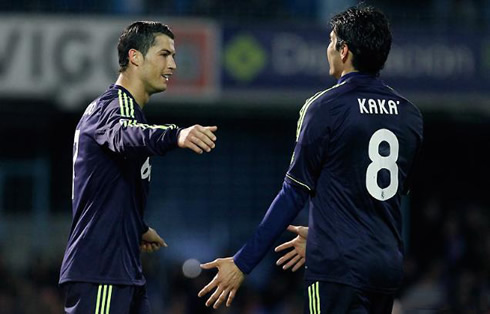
(110, 98)
(314, 113)
(330, 94)
(410, 105)
(117, 100)
(320, 101)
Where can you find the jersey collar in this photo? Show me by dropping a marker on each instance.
(350, 75)
(115, 86)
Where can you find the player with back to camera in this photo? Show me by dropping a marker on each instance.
(101, 271)
(356, 145)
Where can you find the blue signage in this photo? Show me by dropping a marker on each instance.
(285, 58)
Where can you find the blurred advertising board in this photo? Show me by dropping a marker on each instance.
(70, 59)
(292, 60)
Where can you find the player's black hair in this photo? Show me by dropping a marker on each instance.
(140, 36)
(366, 31)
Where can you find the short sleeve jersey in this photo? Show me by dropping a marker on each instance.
(111, 176)
(356, 145)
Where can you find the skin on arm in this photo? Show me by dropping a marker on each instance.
(198, 138)
(297, 256)
(227, 282)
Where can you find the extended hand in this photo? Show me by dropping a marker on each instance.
(227, 281)
(296, 256)
(198, 138)
(151, 241)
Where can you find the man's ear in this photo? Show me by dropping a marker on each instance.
(135, 57)
(344, 52)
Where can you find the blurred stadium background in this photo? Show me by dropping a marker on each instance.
(246, 66)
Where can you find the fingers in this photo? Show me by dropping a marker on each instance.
(231, 296)
(161, 242)
(146, 247)
(213, 128)
(205, 137)
(286, 257)
(221, 299)
(203, 141)
(293, 229)
(150, 247)
(303, 231)
(198, 138)
(210, 265)
(195, 148)
(298, 265)
(214, 297)
(292, 262)
(208, 131)
(210, 286)
(284, 246)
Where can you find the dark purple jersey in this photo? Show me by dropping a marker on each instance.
(356, 145)
(111, 176)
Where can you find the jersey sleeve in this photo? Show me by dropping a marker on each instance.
(282, 211)
(122, 131)
(311, 148)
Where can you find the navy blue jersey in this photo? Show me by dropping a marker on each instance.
(111, 176)
(356, 145)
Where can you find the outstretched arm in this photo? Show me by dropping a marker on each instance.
(231, 270)
(123, 131)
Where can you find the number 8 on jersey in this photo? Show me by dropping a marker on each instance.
(379, 162)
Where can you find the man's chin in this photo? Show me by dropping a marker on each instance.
(159, 89)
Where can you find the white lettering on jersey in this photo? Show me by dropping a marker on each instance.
(393, 106)
(362, 108)
(90, 109)
(377, 106)
(146, 170)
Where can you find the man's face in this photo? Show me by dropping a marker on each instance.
(334, 58)
(158, 64)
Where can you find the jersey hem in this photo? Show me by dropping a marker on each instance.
(357, 286)
(103, 281)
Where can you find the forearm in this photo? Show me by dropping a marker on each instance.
(131, 138)
(280, 214)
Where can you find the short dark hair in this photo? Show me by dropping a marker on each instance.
(140, 36)
(366, 31)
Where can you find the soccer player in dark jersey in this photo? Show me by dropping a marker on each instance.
(101, 271)
(356, 144)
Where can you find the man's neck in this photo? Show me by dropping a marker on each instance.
(347, 70)
(135, 87)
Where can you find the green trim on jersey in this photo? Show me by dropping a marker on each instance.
(297, 181)
(307, 104)
(127, 108)
(127, 111)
